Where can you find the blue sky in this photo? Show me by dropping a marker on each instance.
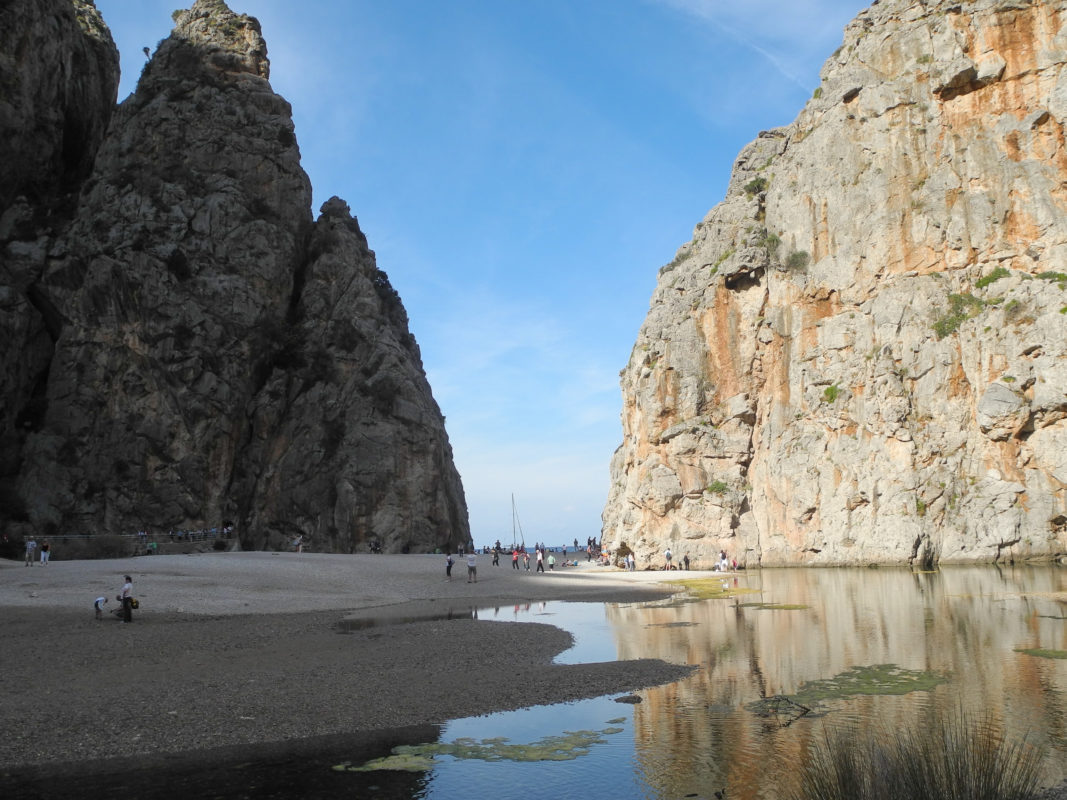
(522, 170)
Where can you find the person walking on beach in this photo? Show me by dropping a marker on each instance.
(540, 562)
(126, 598)
(496, 556)
(472, 567)
(46, 552)
(449, 561)
(526, 560)
(515, 558)
(98, 606)
(551, 561)
(31, 546)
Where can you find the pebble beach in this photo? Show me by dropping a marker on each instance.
(245, 649)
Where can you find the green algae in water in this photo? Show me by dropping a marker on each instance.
(712, 589)
(877, 679)
(423, 757)
(1039, 652)
(672, 625)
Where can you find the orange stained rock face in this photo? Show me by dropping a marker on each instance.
(666, 390)
(720, 328)
(774, 393)
(957, 386)
(1020, 228)
(820, 227)
(1017, 35)
(1004, 457)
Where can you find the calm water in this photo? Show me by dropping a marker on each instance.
(710, 732)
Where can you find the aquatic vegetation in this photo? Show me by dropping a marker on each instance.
(958, 758)
(1040, 652)
(422, 757)
(712, 589)
(672, 625)
(877, 679)
(776, 606)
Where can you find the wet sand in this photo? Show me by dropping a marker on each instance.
(233, 650)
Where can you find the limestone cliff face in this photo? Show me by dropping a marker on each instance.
(861, 356)
(215, 355)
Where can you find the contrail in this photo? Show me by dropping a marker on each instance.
(705, 12)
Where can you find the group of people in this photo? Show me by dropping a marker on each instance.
(520, 559)
(124, 597)
(722, 565)
(31, 549)
(472, 566)
(542, 557)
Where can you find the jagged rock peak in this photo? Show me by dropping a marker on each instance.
(336, 208)
(187, 349)
(228, 42)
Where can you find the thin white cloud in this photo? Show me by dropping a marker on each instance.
(794, 37)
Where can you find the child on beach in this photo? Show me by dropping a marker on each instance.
(98, 606)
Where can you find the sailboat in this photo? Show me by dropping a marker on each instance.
(516, 527)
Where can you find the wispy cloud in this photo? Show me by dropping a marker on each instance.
(794, 37)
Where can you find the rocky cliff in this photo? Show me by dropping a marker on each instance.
(189, 348)
(861, 356)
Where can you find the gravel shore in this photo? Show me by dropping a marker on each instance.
(239, 649)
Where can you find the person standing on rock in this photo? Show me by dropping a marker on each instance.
(472, 567)
(31, 546)
(126, 598)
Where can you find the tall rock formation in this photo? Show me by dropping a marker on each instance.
(861, 356)
(215, 355)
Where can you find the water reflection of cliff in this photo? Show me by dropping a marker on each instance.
(966, 623)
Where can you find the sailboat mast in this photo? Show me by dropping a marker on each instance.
(515, 524)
